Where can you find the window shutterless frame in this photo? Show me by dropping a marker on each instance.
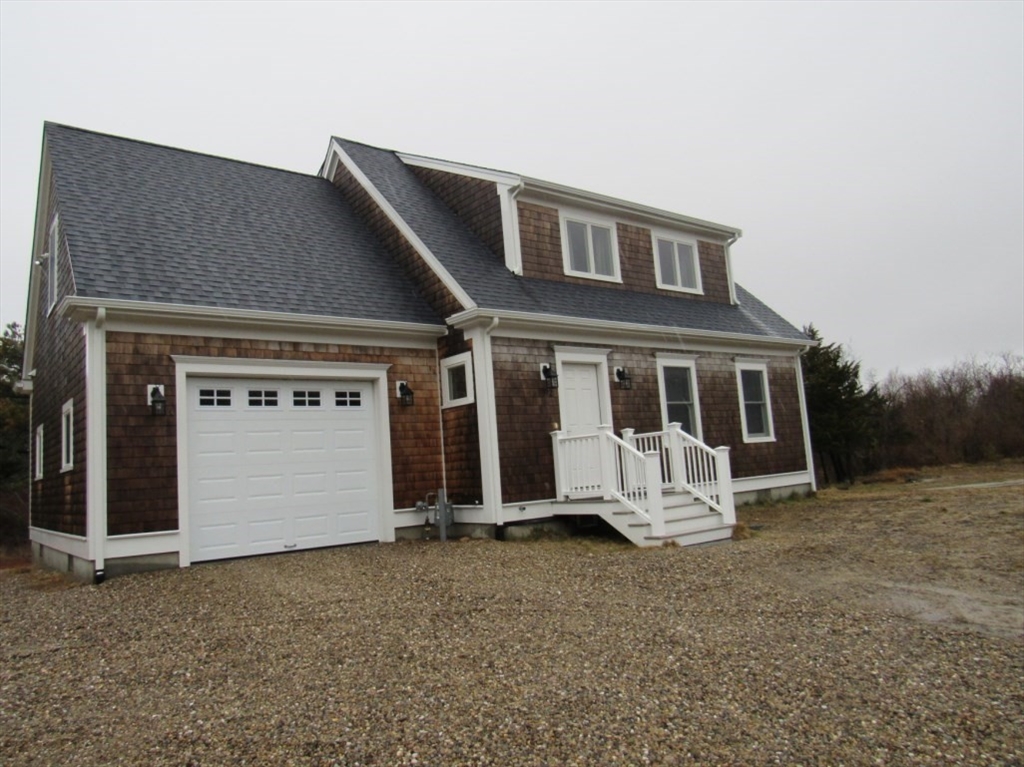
(590, 247)
(677, 387)
(67, 436)
(755, 401)
(676, 262)
(457, 380)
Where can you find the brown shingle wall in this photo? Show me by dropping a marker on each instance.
(527, 413)
(142, 449)
(440, 299)
(541, 242)
(461, 435)
(58, 500)
(526, 416)
(473, 200)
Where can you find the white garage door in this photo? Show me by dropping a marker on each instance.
(277, 465)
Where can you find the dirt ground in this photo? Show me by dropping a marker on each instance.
(940, 545)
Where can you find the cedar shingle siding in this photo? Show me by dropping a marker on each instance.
(142, 451)
(473, 200)
(541, 243)
(58, 500)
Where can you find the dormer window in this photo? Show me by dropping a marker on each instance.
(589, 247)
(676, 263)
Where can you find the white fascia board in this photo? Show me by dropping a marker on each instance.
(82, 309)
(473, 171)
(514, 322)
(418, 245)
(38, 235)
(613, 205)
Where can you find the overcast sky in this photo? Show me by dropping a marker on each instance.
(872, 153)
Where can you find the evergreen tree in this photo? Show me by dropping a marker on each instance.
(843, 417)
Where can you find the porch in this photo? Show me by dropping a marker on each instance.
(652, 488)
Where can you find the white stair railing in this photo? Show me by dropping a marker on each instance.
(602, 464)
(688, 464)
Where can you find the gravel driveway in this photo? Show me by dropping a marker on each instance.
(576, 652)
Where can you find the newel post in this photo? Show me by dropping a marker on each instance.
(725, 498)
(655, 502)
(606, 449)
(556, 450)
(677, 459)
(627, 437)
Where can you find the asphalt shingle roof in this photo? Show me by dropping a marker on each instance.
(483, 274)
(152, 223)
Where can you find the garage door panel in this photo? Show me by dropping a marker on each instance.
(274, 477)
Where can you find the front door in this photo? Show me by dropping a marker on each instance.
(580, 401)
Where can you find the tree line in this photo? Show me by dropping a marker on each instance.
(968, 412)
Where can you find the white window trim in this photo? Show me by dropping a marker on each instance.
(590, 219)
(38, 473)
(677, 237)
(67, 436)
(466, 358)
(51, 265)
(670, 361)
(761, 367)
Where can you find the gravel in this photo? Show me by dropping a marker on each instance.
(572, 652)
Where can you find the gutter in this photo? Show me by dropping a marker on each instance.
(530, 320)
(83, 309)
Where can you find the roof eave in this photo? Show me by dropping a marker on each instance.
(83, 309)
(569, 194)
(611, 329)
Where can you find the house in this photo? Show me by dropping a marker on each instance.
(227, 360)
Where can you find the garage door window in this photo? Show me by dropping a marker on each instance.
(262, 397)
(306, 398)
(348, 399)
(215, 398)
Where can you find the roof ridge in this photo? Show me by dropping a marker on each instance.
(47, 124)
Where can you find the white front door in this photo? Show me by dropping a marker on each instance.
(580, 398)
(580, 403)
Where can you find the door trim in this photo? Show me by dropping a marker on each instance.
(587, 356)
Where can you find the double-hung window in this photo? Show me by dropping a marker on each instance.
(755, 402)
(676, 263)
(589, 247)
(457, 380)
(677, 380)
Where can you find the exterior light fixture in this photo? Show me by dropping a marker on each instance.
(405, 394)
(157, 400)
(549, 375)
(622, 376)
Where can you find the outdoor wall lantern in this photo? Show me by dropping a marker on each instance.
(549, 375)
(622, 376)
(405, 394)
(157, 400)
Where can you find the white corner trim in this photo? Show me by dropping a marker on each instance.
(728, 269)
(487, 421)
(510, 227)
(805, 423)
(418, 245)
(96, 441)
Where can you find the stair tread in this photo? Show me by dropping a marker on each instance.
(669, 537)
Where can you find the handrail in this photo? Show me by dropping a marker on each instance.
(689, 464)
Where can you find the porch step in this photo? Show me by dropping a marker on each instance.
(694, 538)
(679, 521)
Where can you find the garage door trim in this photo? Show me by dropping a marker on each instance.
(206, 367)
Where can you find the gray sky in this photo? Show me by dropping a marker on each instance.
(873, 153)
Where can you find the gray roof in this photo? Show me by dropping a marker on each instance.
(151, 223)
(484, 276)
